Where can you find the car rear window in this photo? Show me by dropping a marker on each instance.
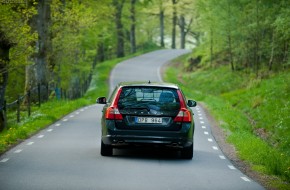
(150, 97)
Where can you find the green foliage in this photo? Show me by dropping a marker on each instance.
(82, 34)
(72, 57)
(254, 112)
(16, 30)
(248, 34)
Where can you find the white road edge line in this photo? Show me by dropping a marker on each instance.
(206, 133)
(231, 167)
(246, 179)
(215, 148)
(202, 122)
(4, 160)
(30, 143)
(18, 151)
(58, 124)
(40, 136)
(203, 127)
(222, 157)
(49, 130)
(210, 140)
(64, 119)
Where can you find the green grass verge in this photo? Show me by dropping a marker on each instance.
(254, 112)
(54, 110)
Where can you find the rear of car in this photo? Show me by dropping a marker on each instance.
(154, 114)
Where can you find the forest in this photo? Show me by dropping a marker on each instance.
(57, 43)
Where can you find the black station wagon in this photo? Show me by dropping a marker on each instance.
(145, 113)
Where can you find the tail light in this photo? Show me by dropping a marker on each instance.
(184, 115)
(112, 112)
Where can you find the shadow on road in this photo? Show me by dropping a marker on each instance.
(147, 153)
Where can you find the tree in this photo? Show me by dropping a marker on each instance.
(72, 51)
(174, 23)
(5, 46)
(118, 5)
(162, 27)
(229, 34)
(246, 34)
(183, 30)
(15, 40)
(155, 9)
(38, 73)
(133, 26)
(280, 35)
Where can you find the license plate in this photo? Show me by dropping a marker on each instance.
(148, 120)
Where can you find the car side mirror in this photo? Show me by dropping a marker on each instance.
(101, 100)
(191, 103)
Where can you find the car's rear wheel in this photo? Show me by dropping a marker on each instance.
(106, 150)
(187, 153)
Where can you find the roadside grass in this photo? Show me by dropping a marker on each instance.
(254, 113)
(54, 110)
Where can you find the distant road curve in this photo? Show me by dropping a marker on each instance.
(144, 67)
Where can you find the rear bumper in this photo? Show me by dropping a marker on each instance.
(173, 139)
(125, 140)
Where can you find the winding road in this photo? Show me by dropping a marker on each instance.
(66, 155)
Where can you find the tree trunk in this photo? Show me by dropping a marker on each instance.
(285, 52)
(182, 31)
(211, 47)
(229, 36)
(272, 51)
(257, 40)
(174, 22)
(4, 60)
(38, 73)
(231, 51)
(100, 57)
(119, 27)
(161, 18)
(133, 26)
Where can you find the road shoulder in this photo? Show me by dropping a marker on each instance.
(231, 153)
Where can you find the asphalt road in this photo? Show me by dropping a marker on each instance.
(66, 155)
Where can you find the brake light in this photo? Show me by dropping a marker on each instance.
(184, 115)
(112, 112)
